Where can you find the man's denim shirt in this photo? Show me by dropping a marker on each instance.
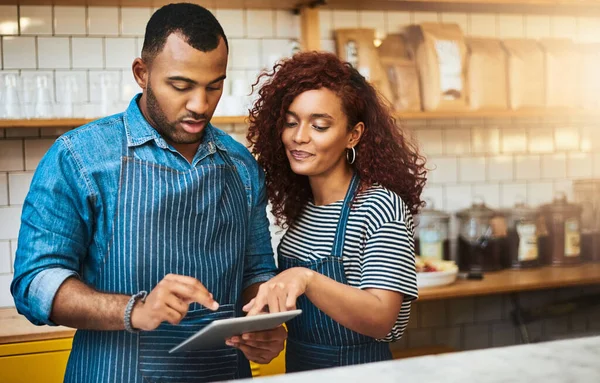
(67, 218)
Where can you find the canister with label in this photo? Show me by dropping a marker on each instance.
(431, 234)
(523, 236)
(563, 222)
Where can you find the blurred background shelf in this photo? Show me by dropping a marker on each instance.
(500, 114)
(75, 122)
(504, 114)
(565, 7)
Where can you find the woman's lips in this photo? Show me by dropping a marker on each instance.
(300, 155)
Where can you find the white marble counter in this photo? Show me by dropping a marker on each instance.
(573, 361)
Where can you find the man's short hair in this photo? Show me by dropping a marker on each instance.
(194, 24)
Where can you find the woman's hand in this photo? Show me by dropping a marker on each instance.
(261, 346)
(280, 293)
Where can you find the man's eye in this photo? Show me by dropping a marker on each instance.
(179, 89)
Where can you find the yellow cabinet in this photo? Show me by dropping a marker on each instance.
(32, 362)
(45, 361)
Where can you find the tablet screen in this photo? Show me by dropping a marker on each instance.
(214, 335)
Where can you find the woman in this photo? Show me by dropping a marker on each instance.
(344, 180)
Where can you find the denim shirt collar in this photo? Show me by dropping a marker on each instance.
(139, 131)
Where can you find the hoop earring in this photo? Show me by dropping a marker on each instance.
(351, 161)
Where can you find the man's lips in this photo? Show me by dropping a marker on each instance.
(300, 154)
(193, 126)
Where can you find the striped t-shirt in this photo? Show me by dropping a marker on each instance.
(378, 248)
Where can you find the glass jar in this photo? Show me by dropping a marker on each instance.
(522, 238)
(562, 220)
(587, 195)
(481, 239)
(431, 234)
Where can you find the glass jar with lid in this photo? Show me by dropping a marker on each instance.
(431, 233)
(481, 239)
(522, 237)
(562, 220)
(587, 195)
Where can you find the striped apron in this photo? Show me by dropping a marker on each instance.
(191, 223)
(314, 339)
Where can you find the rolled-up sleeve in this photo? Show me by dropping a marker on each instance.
(259, 265)
(56, 227)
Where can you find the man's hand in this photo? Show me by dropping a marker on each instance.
(261, 346)
(169, 302)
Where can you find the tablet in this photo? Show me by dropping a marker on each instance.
(214, 335)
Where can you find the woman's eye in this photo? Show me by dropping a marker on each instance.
(320, 128)
(290, 124)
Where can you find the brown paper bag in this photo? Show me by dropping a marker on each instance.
(357, 47)
(526, 88)
(487, 74)
(440, 53)
(402, 75)
(562, 77)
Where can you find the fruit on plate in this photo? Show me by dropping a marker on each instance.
(427, 265)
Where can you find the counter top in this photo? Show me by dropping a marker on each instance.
(509, 281)
(573, 360)
(16, 328)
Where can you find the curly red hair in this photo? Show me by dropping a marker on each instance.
(384, 155)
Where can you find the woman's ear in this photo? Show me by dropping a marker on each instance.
(355, 134)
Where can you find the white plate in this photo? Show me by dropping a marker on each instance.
(436, 278)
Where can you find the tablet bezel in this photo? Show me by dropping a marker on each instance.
(226, 328)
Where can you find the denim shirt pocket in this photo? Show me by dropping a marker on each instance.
(157, 365)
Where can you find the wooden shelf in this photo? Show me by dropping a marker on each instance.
(572, 7)
(75, 122)
(562, 7)
(449, 115)
(509, 281)
(231, 4)
(499, 114)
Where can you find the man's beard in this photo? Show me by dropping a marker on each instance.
(166, 128)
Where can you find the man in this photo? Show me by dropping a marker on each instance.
(143, 227)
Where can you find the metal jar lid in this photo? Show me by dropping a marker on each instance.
(431, 214)
(521, 212)
(477, 210)
(560, 205)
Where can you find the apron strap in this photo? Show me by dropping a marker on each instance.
(340, 234)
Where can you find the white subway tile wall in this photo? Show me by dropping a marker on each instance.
(35, 150)
(70, 20)
(18, 187)
(537, 27)
(9, 20)
(18, 52)
(87, 52)
(260, 23)
(35, 20)
(5, 261)
(53, 53)
(3, 189)
(503, 161)
(103, 21)
(133, 21)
